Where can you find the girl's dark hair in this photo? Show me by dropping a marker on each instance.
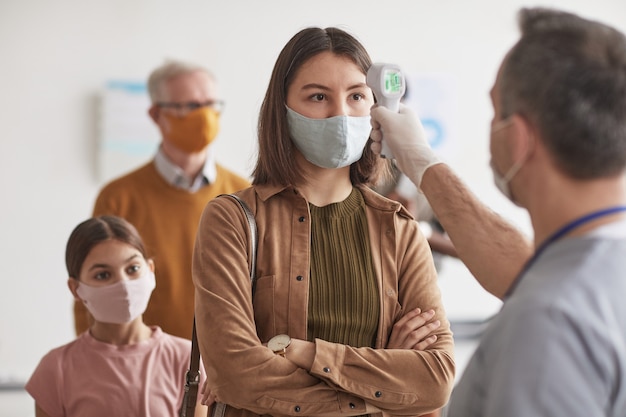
(275, 162)
(94, 231)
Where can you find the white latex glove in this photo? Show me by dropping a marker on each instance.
(404, 134)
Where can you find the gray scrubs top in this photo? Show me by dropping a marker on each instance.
(558, 345)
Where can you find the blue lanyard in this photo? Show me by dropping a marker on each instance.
(558, 235)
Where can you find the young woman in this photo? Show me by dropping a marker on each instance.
(346, 317)
(120, 366)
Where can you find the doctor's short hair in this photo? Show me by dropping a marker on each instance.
(275, 162)
(567, 75)
(169, 69)
(96, 230)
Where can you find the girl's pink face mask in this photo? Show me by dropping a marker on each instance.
(118, 303)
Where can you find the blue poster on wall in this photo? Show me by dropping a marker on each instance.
(126, 135)
(433, 97)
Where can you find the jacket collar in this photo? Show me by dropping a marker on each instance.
(371, 197)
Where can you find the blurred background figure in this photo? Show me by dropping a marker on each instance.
(401, 189)
(165, 198)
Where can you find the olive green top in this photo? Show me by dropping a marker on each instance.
(343, 297)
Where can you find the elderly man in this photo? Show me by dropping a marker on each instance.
(165, 198)
(558, 149)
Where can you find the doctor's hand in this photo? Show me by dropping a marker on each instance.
(404, 134)
(413, 331)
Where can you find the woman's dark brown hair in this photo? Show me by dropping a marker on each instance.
(275, 162)
(94, 231)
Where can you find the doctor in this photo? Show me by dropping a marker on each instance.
(558, 149)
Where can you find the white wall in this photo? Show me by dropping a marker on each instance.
(56, 55)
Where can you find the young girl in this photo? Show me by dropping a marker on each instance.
(120, 366)
(347, 317)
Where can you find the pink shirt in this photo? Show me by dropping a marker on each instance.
(90, 378)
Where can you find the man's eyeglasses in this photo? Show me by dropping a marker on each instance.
(182, 109)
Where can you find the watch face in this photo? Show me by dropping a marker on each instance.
(279, 342)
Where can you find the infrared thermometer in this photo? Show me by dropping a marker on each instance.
(388, 84)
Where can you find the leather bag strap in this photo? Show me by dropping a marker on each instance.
(192, 376)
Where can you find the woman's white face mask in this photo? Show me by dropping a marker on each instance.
(334, 142)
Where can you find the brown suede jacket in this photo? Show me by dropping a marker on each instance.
(232, 325)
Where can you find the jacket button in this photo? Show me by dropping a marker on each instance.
(378, 394)
(297, 408)
(299, 277)
(326, 369)
(301, 219)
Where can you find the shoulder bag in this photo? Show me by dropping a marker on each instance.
(192, 377)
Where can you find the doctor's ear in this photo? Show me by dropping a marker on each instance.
(525, 133)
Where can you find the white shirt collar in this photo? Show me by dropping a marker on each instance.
(175, 176)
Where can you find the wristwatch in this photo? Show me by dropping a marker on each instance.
(279, 343)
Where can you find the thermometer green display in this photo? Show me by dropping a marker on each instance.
(388, 85)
